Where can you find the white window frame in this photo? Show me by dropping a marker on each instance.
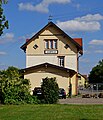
(46, 44)
(61, 60)
(55, 44)
(50, 43)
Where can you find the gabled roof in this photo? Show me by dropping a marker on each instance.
(84, 76)
(46, 65)
(45, 27)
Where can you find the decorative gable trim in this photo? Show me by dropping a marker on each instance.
(74, 41)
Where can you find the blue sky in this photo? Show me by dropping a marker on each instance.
(78, 18)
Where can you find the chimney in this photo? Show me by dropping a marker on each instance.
(27, 40)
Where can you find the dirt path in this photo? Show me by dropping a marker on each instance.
(81, 101)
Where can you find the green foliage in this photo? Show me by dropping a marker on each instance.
(50, 90)
(96, 75)
(3, 21)
(13, 88)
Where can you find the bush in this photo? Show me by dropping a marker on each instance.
(50, 90)
(14, 89)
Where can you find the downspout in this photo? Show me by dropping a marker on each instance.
(77, 90)
(70, 85)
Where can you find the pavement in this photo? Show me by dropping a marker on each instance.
(80, 100)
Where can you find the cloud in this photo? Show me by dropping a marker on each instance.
(77, 6)
(27, 36)
(3, 66)
(2, 53)
(96, 42)
(90, 17)
(41, 7)
(99, 51)
(74, 25)
(84, 60)
(85, 23)
(22, 38)
(86, 52)
(8, 37)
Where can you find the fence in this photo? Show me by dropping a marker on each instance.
(94, 90)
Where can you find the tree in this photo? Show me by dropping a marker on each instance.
(13, 88)
(3, 21)
(96, 75)
(50, 90)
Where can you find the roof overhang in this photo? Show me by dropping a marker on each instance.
(70, 72)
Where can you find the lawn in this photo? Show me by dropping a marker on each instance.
(51, 112)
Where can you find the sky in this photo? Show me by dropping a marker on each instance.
(78, 18)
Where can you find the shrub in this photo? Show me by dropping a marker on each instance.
(50, 90)
(14, 89)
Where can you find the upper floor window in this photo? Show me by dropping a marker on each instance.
(46, 44)
(51, 44)
(55, 44)
(79, 77)
(61, 60)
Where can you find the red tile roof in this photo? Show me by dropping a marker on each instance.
(78, 40)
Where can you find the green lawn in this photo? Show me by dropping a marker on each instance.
(51, 112)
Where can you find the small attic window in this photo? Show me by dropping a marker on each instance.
(35, 46)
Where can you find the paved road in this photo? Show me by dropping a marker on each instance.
(81, 101)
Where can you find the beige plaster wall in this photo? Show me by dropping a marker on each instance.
(36, 79)
(81, 81)
(73, 82)
(62, 78)
(40, 41)
(37, 56)
(70, 61)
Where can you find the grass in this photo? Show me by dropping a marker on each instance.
(51, 112)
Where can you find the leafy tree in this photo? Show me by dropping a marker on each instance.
(13, 88)
(96, 75)
(3, 21)
(50, 90)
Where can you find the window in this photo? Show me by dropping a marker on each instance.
(61, 61)
(47, 44)
(79, 77)
(50, 44)
(55, 44)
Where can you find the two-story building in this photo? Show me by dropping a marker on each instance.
(52, 53)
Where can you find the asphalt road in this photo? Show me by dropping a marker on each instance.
(81, 101)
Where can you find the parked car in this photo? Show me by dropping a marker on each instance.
(62, 93)
(37, 92)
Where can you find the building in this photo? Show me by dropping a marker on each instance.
(52, 53)
(82, 81)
